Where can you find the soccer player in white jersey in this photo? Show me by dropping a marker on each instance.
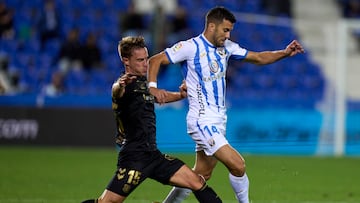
(204, 60)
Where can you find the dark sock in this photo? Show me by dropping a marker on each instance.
(207, 195)
(90, 201)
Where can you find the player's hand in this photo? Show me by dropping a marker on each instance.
(118, 88)
(294, 48)
(126, 79)
(159, 94)
(183, 89)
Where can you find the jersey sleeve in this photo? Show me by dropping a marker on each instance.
(180, 51)
(237, 52)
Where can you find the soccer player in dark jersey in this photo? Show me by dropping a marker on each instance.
(139, 157)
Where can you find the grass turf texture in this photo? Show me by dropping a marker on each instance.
(69, 175)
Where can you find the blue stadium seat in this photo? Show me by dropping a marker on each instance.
(75, 81)
(9, 46)
(52, 47)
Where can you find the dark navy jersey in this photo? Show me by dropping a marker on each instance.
(135, 117)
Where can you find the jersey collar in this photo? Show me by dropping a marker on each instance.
(202, 36)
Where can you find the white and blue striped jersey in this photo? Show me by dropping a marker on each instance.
(204, 68)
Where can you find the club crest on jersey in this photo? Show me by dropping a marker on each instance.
(221, 51)
(177, 47)
(214, 66)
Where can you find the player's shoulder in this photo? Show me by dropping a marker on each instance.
(186, 43)
(185, 46)
(228, 44)
(232, 46)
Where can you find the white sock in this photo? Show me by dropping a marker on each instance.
(240, 186)
(177, 195)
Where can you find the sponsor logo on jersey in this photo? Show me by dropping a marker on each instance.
(200, 100)
(214, 77)
(148, 98)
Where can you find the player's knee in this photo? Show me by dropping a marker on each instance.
(198, 183)
(239, 169)
(206, 174)
(202, 179)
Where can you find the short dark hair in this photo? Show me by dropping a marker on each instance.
(128, 44)
(218, 14)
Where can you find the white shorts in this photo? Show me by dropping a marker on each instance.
(209, 136)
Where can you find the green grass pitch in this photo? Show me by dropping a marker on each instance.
(69, 175)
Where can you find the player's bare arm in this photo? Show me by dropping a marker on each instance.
(267, 57)
(176, 96)
(172, 96)
(155, 63)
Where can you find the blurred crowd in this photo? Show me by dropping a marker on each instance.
(350, 8)
(48, 46)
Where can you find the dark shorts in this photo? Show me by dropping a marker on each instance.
(135, 167)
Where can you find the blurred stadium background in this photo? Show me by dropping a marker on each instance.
(305, 105)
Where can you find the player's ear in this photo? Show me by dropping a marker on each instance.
(212, 27)
(125, 60)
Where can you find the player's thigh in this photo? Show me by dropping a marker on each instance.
(209, 136)
(204, 164)
(232, 159)
(110, 197)
(163, 168)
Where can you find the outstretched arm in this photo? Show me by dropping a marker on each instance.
(267, 57)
